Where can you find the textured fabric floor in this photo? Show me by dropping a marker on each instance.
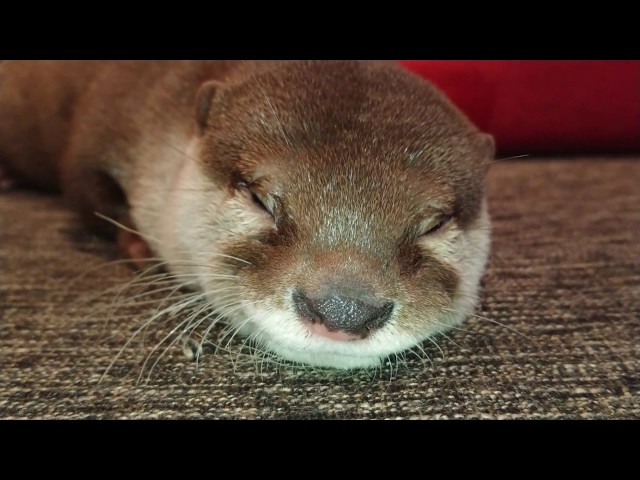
(562, 293)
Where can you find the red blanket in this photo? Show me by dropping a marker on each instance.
(534, 107)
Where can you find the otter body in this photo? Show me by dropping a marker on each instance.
(332, 211)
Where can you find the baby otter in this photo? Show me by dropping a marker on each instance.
(333, 211)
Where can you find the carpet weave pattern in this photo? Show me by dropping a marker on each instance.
(559, 338)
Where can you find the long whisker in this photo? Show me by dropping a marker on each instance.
(164, 339)
(419, 347)
(140, 329)
(437, 346)
(490, 320)
(144, 236)
(124, 227)
(509, 158)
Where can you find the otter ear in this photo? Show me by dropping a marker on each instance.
(204, 98)
(488, 146)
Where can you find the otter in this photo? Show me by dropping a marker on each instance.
(333, 211)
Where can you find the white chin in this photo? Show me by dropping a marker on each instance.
(325, 360)
(289, 339)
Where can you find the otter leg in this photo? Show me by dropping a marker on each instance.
(103, 206)
(7, 181)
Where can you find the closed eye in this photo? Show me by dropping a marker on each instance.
(436, 226)
(256, 198)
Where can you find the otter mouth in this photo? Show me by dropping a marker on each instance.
(320, 329)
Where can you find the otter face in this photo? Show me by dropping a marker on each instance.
(341, 211)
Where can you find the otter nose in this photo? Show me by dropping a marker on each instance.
(342, 313)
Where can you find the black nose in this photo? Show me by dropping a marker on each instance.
(339, 312)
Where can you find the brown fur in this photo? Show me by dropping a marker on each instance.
(67, 125)
(379, 130)
(57, 117)
(350, 156)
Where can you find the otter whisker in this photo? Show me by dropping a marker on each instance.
(112, 263)
(259, 352)
(437, 346)
(188, 302)
(451, 340)
(454, 327)
(191, 328)
(89, 298)
(164, 339)
(137, 280)
(509, 158)
(145, 324)
(426, 355)
(135, 300)
(124, 227)
(220, 316)
(116, 301)
(188, 324)
(239, 327)
(149, 237)
(499, 323)
(164, 284)
(254, 351)
(489, 320)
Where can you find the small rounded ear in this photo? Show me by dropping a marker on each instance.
(205, 96)
(488, 149)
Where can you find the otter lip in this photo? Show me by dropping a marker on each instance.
(320, 329)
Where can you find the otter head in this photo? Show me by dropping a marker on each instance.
(336, 211)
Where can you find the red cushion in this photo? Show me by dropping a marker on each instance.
(545, 106)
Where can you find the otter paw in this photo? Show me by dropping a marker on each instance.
(134, 247)
(7, 182)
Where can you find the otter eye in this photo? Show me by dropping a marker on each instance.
(434, 227)
(258, 202)
(255, 197)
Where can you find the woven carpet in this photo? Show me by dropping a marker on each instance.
(558, 337)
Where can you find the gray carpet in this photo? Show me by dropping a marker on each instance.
(560, 337)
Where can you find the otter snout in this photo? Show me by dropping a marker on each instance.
(342, 317)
